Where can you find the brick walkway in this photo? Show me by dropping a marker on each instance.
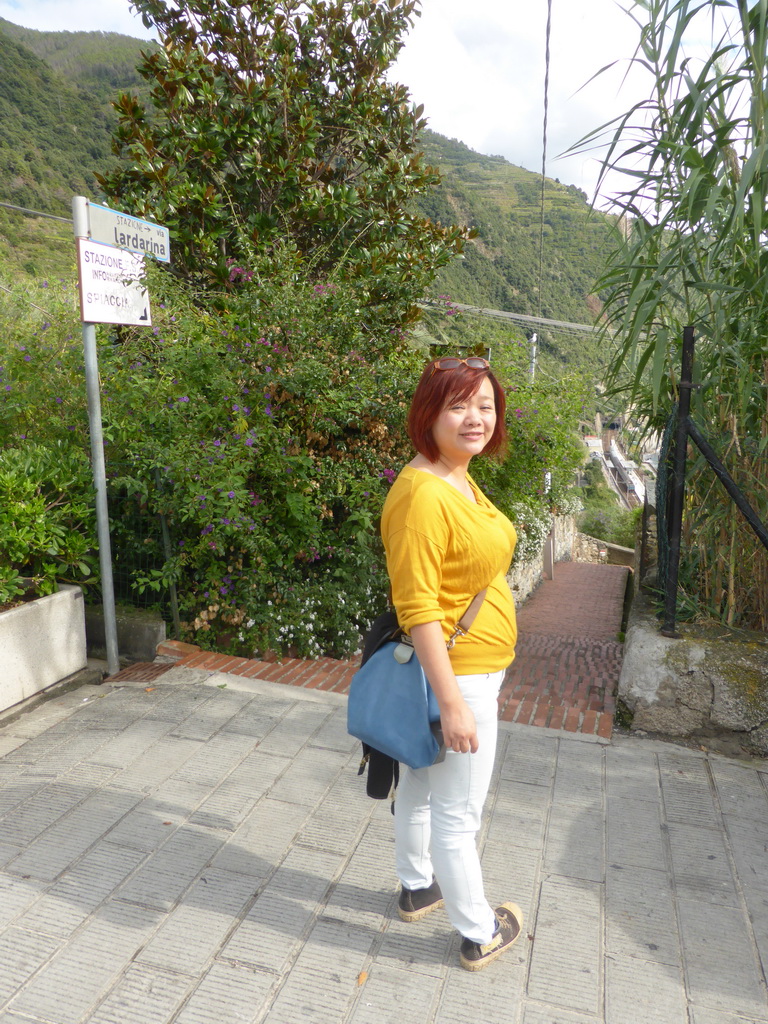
(568, 653)
(563, 677)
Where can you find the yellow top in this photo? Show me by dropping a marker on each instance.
(442, 549)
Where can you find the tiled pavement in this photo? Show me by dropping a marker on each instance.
(563, 677)
(198, 849)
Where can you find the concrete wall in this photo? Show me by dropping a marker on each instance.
(42, 643)
(138, 633)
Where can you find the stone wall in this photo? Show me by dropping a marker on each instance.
(708, 681)
(567, 545)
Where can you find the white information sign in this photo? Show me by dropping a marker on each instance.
(126, 232)
(112, 285)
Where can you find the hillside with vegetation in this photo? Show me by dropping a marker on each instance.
(56, 123)
(50, 150)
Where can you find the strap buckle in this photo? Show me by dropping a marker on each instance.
(457, 632)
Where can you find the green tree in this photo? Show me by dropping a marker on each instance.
(694, 253)
(273, 120)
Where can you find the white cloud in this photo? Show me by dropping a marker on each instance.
(479, 69)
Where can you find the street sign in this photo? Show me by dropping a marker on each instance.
(112, 285)
(125, 232)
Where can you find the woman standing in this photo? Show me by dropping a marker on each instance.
(445, 543)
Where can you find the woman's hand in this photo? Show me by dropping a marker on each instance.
(456, 719)
(459, 728)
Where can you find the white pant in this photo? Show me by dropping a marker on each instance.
(438, 812)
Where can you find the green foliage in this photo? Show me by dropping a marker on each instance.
(275, 120)
(101, 63)
(695, 254)
(502, 267)
(46, 147)
(266, 430)
(46, 520)
(502, 202)
(602, 515)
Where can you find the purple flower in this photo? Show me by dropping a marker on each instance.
(207, 529)
(216, 444)
(184, 398)
(230, 494)
(268, 410)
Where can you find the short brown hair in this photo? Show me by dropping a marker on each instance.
(435, 389)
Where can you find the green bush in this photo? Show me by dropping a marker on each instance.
(265, 427)
(47, 523)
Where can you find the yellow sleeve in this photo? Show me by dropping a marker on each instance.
(414, 564)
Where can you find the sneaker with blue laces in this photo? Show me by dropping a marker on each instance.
(509, 923)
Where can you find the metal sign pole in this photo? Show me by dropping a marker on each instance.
(677, 492)
(80, 215)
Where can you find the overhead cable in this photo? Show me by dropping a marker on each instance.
(501, 314)
(35, 213)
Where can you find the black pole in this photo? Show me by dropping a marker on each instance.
(728, 483)
(677, 490)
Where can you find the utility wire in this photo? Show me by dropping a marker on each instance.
(544, 147)
(36, 213)
(501, 314)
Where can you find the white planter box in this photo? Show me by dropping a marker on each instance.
(41, 643)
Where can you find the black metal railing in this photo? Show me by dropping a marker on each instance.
(685, 428)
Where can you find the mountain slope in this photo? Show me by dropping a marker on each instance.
(56, 121)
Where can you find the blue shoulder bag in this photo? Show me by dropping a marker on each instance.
(391, 705)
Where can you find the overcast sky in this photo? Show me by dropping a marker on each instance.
(476, 65)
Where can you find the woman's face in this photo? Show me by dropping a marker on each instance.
(465, 427)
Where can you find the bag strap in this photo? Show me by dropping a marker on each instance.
(462, 627)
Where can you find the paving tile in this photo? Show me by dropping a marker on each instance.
(740, 791)
(701, 865)
(96, 956)
(313, 993)
(749, 846)
(720, 965)
(192, 933)
(533, 1014)
(657, 988)
(502, 994)
(228, 993)
(635, 836)
(142, 996)
(272, 930)
(575, 841)
(22, 954)
(640, 918)
(72, 835)
(308, 777)
(416, 1000)
(166, 875)
(706, 1015)
(81, 890)
(263, 840)
(566, 961)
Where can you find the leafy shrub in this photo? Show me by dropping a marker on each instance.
(47, 524)
(265, 427)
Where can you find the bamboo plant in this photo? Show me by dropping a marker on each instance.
(693, 251)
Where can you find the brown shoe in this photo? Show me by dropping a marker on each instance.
(413, 904)
(509, 924)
